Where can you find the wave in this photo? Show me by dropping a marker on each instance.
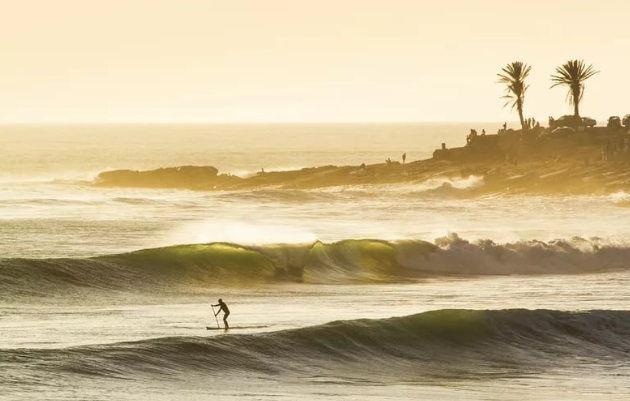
(347, 261)
(68, 178)
(90, 201)
(620, 198)
(45, 202)
(458, 344)
(135, 200)
(276, 195)
(445, 187)
(437, 188)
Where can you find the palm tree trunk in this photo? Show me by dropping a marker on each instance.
(576, 101)
(519, 106)
(576, 110)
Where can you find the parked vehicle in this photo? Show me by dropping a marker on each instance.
(571, 121)
(614, 122)
(588, 122)
(562, 132)
(626, 121)
(565, 121)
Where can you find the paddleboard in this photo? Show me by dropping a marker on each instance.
(235, 327)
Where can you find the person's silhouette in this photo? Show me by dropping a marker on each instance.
(226, 312)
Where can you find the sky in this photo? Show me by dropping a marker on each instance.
(84, 61)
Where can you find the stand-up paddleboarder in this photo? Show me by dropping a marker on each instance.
(226, 312)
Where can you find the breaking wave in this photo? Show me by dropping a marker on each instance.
(457, 344)
(342, 262)
(620, 198)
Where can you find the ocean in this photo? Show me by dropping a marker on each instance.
(371, 292)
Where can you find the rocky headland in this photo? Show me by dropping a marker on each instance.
(513, 162)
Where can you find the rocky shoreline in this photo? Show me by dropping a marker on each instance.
(552, 169)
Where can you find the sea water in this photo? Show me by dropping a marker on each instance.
(410, 290)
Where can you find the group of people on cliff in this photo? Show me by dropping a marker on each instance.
(473, 135)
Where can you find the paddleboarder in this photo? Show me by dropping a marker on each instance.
(226, 312)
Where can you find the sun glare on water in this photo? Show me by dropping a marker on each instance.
(239, 233)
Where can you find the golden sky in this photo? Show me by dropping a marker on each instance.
(299, 60)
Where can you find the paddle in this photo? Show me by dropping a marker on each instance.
(215, 316)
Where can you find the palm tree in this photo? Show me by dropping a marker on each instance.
(573, 73)
(513, 76)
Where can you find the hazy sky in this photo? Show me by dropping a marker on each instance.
(299, 60)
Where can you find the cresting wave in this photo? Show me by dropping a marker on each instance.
(455, 344)
(348, 261)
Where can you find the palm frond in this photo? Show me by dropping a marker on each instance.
(572, 74)
(513, 77)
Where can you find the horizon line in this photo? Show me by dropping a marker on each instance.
(393, 122)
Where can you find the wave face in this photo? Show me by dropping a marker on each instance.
(457, 344)
(346, 261)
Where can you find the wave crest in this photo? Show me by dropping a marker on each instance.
(330, 263)
(443, 343)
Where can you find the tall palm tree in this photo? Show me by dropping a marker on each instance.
(513, 76)
(573, 73)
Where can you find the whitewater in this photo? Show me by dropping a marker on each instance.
(399, 292)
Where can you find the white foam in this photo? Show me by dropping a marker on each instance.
(575, 255)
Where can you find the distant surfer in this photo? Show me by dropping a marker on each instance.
(226, 312)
